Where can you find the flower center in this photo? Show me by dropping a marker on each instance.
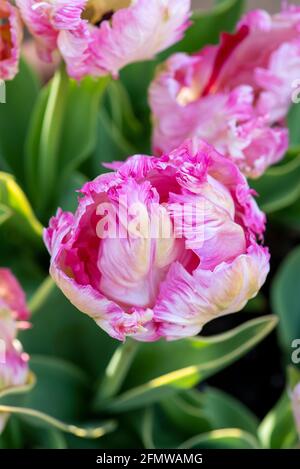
(97, 11)
(5, 36)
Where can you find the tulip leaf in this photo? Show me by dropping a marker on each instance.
(14, 201)
(136, 78)
(227, 438)
(169, 367)
(293, 377)
(62, 134)
(208, 25)
(294, 128)
(279, 187)
(21, 94)
(59, 329)
(158, 431)
(18, 391)
(284, 297)
(5, 213)
(69, 197)
(277, 430)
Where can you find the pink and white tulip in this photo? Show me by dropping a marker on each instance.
(11, 34)
(235, 95)
(101, 37)
(13, 312)
(143, 282)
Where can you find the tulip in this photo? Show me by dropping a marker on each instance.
(161, 246)
(11, 34)
(235, 95)
(13, 314)
(99, 37)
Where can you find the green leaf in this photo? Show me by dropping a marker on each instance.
(13, 199)
(293, 377)
(62, 134)
(157, 430)
(208, 25)
(61, 393)
(172, 366)
(284, 299)
(279, 187)
(277, 430)
(289, 216)
(69, 197)
(12, 436)
(227, 438)
(59, 329)
(189, 417)
(21, 94)
(80, 122)
(136, 78)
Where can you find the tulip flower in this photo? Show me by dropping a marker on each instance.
(11, 34)
(161, 246)
(99, 37)
(235, 95)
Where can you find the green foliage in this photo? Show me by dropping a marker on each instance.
(86, 390)
(16, 208)
(279, 187)
(277, 430)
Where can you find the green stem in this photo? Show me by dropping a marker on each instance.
(116, 371)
